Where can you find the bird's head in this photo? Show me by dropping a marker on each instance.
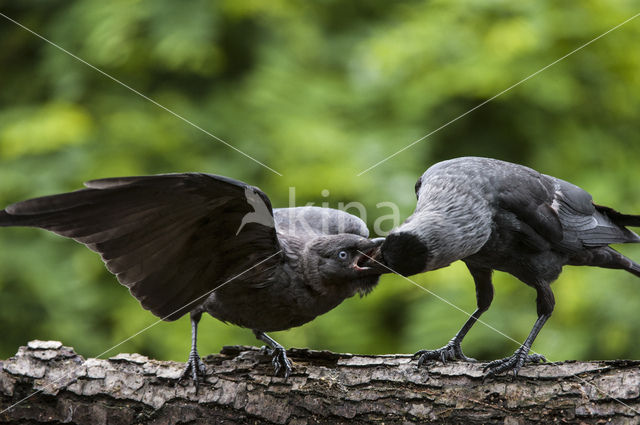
(404, 253)
(342, 261)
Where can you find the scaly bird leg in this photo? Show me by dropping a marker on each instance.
(280, 361)
(453, 351)
(520, 356)
(194, 364)
(545, 303)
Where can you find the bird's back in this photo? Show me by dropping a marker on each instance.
(538, 222)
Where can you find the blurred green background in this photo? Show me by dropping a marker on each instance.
(319, 91)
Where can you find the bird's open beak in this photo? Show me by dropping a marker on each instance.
(370, 257)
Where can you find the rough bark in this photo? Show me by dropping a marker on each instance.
(324, 388)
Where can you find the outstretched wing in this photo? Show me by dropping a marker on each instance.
(169, 238)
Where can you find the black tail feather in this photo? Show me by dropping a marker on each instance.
(615, 260)
(619, 218)
(634, 269)
(607, 258)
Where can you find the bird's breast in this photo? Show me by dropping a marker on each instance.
(274, 307)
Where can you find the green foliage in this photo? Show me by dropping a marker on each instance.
(319, 91)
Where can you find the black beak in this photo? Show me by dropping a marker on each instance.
(370, 257)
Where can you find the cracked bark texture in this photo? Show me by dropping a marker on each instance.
(325, 388)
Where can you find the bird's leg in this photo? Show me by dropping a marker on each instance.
(280, 361)
(545, 302)
(521, 355)
(453, 351)
(194, 364)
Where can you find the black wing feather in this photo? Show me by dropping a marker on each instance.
(583, 221)
(169, 238)
(528, 195)
(562, 213)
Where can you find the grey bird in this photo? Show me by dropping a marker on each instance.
(495, 215)
(196, 243)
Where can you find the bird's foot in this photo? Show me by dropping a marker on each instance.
(194, 367)
(279, 360)
(514, 363)
(451, 351)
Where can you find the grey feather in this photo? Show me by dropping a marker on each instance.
(318, 220)
(495, 215)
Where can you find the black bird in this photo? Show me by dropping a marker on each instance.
(495, 215)
(204, 243)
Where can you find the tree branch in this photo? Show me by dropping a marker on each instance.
(325, 387)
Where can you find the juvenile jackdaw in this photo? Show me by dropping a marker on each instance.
(494, 215)
(205, 243)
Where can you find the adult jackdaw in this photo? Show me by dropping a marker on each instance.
(494, 215)
(205, 243)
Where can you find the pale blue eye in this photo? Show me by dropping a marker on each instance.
(343, 255)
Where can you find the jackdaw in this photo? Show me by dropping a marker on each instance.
(200, 243)
(495, 215)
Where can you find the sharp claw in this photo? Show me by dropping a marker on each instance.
(196, 367)
(449, 352)
(421, 360)
(537, 358)
(287, 371)
(513, 363)
(280, 362)
(421, 356)
(276, 364)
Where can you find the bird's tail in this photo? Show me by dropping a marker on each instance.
(619, 218)
(608, 258)
(633, 267)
